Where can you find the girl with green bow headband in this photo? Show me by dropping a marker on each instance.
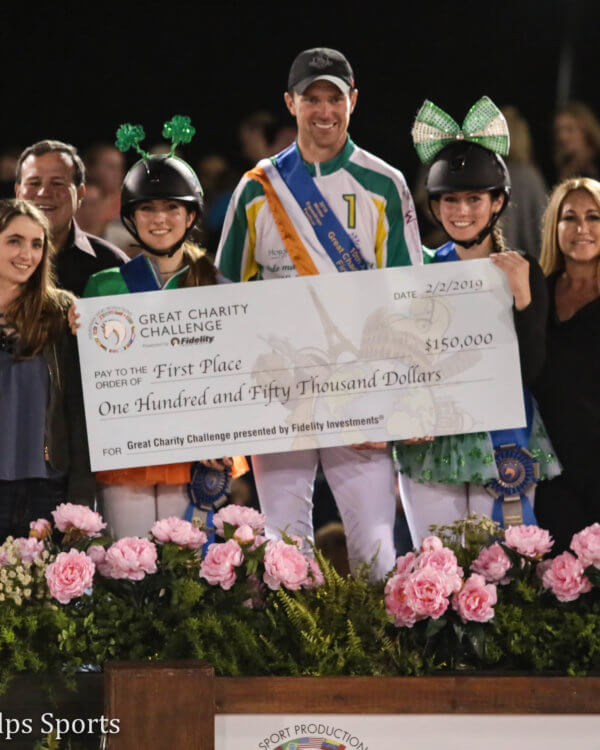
(443, 480)
(465, 158)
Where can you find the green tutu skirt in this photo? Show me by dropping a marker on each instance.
(454, 459)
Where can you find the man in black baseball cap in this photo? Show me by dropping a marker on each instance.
(323, 205)
(321, 96)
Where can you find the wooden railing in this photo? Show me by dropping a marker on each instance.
(167, 705)
(173, 705)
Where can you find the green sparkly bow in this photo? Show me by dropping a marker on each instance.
(484, 124)
(129, 136)
(178, 130)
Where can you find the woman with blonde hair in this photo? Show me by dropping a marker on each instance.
(568, 390)
(43, 447)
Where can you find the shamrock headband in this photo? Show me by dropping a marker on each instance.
(178, 130)
(484, 124)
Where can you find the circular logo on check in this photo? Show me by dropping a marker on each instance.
(113, 329)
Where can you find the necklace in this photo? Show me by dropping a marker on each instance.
(8, 338)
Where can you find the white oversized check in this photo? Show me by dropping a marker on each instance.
(290, 364)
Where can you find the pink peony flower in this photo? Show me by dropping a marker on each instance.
(405, 564)
(586, 545)
(218, 566)
(178, 531)
(69, 575)
(475, 601)
(40, 529)
(285, 565)
(444, 561)
(531, 541)
(564, 577)
(315, 574)
(130, 557)
(68, 516)
(395, 602)
(244, 534)
(425, 593)
(238, 515)
(97, 554)
(431, 543)
(492, 564)
(29, 548)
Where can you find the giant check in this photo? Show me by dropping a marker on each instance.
(291, 364)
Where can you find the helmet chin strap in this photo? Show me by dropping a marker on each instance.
(132, 229)
(162, 253)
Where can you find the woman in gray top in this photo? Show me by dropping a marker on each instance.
(43, 446)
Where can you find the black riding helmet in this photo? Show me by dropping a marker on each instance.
(464, 165)
(164, 178)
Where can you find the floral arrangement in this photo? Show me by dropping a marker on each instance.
(473, 597)
(70, 574)
(169, 594)
(423, 586)
(512, 586)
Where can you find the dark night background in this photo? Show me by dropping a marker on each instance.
(76, 71)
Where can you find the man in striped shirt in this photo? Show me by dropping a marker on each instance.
(267, 234)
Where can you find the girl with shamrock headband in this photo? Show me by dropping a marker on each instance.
(161, 204)
(446, 478)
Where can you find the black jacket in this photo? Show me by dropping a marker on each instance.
(66, 436)
(83, 256)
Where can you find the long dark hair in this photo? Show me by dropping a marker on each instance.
(38, 313)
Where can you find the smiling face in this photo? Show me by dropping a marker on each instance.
(162, 223)
(47, 181)
(21, 250)
(465, 214)
(322, 113)
(578, 230)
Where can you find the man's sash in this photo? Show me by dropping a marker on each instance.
(303, 216)
(292, 240)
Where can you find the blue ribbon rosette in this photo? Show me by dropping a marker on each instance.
(518, 471)
(207, 490)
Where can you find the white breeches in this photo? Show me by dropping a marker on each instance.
(131, 510)
(362, 483)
